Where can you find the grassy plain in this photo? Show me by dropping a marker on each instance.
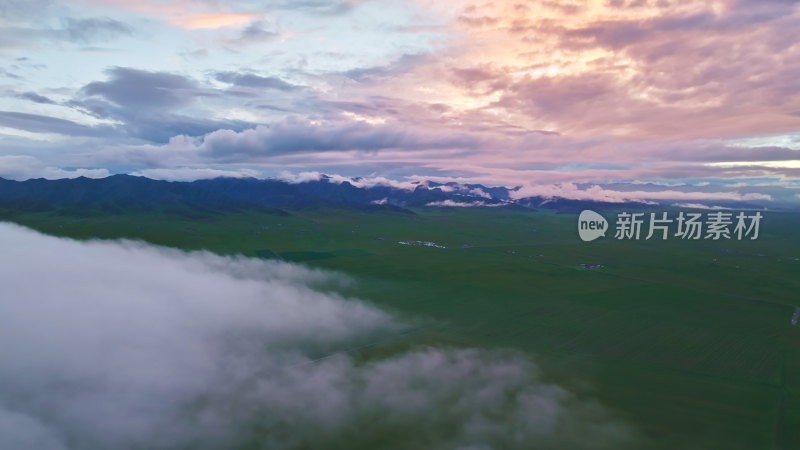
(690, 341)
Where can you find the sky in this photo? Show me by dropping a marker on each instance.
(582, 99)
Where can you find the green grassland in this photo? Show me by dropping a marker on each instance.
(690, 341)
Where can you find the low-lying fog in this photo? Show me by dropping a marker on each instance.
(124, 345)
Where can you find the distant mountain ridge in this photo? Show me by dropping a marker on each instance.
(126, 193)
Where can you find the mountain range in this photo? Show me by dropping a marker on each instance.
(125, 193)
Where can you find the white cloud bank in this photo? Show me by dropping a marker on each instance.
(23, 167)
(454, 204)
(410, 183)
(194, 173)
(601, 194)
(124, 345)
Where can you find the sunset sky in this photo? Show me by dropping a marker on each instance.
(695, 101)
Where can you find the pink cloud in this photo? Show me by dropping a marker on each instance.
(187, 14)
(213, 19)
(666, 70)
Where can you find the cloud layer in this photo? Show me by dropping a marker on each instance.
(542, 93)
(124, 345)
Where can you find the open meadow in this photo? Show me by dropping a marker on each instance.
(692, 342)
